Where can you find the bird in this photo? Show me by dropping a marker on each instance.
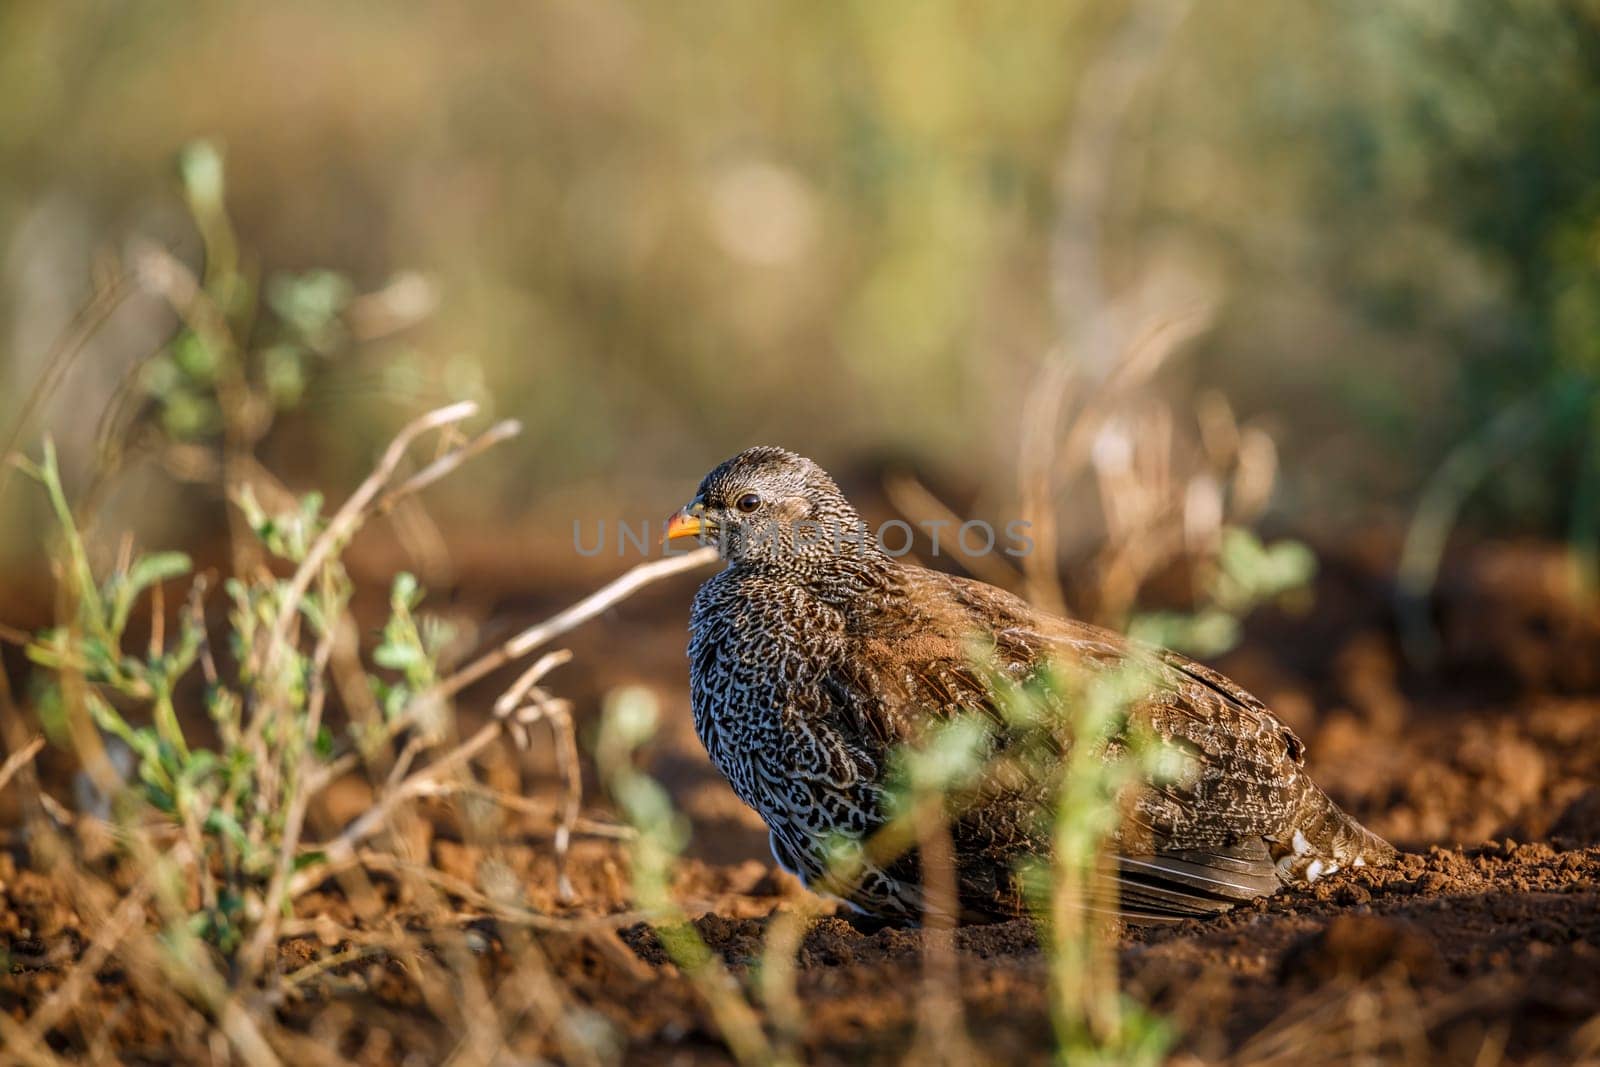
(817, 658)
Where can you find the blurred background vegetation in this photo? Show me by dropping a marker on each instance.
(659, 233)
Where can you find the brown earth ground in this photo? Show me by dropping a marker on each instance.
(1481, 946)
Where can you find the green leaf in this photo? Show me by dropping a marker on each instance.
(952, 753)
(404, 594)
(398, 657)
(308, 859)
(323, 745)
(158, 567)
(219, 822)
(1207, 633)
(142, 741)
(1289, 565)
(283, 369)
(200, 166)
(311, 609)
(189, 414)
(201, 764)
(630, 716)
(47, 650)
(310, 303)
(437, 634)
(195, 358)
(123, 591)
(159, 796)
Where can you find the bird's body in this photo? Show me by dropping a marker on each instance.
(812, 660)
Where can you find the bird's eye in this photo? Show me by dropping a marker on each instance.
(748, 503)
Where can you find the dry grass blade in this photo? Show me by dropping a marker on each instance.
(918, 503)
(18, 759)
(941, 1031)
(127, 915)
(353, 513)
(428, 780)
(512, 698)
(265, 936)
(69, 345)
(617, 590)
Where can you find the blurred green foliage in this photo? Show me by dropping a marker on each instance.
(1481, 121)
(660, 233)
(239, 801)
(1243, 576)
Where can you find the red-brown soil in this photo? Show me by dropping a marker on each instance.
(1481, 946)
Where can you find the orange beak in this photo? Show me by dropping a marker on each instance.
(686, 522)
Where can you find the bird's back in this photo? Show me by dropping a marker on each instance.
(802, 699)
(1237, 813)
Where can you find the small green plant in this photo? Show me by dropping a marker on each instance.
(245, 350)
(227, 747)
(1244, 575)
(240, 805)
(1105, 758)
(1070, 734)
(630, 717)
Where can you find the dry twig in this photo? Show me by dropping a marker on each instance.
(18, 759)
(620, 589)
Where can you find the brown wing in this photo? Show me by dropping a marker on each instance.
(1187, 847)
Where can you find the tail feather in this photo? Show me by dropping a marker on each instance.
(1169, 886)
(1323, 839)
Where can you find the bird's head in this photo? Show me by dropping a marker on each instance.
(770, 506)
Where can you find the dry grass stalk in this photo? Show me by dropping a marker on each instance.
(188, 974)
(920, 505)
(19, 759)
(617, 590)
(360, 506)
(941, 1027)
(69, 345)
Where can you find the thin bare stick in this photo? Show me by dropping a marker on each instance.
(343, 847)
(158, 621)
(18, 759)
(617, 590)
(265, 935)
(941, 1032)
(402, 764)
(1041, 415)
(918, 503)
(338, 959)
(197, 618)
(566, 739)
(445, 464)
(349, 517)
(513, 696)
(128, 914)
(526, 806)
